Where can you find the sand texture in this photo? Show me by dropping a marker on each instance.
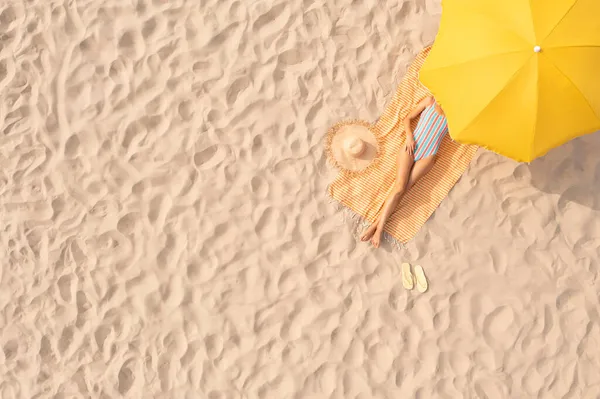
(165, 231)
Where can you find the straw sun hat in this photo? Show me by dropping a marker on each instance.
(352, 146)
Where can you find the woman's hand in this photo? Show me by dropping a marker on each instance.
(410, 144)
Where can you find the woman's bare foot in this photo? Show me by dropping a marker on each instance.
(369, 233)
(376, 240)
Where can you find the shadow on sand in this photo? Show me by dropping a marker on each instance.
(571, 171)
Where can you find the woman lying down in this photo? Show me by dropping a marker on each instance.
(415, 159)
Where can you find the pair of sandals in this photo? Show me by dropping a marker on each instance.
(409, 280)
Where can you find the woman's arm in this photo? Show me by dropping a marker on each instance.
(424, 103)
(410, 139)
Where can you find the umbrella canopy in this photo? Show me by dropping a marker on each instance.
(518, 77)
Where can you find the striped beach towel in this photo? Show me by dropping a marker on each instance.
(364, 193)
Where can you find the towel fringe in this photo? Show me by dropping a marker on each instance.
(358, 224)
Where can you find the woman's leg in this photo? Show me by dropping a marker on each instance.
(401, 185)
(421, 168)
(368, 234)
(405, 164)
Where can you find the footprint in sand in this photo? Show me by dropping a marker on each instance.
(186, 110)
(498, 328)
(259, 187)
(490, 389)
(237, 90)
(84, 309)
(129, 223)
(132, 44)
(270, 224)
(10, 349)
(210, 157)
(130, 375)
(273, 20)
(66, 287)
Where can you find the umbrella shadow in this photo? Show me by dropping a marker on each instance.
(572, 171)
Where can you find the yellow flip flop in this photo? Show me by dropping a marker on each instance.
(422, 284)
(407, 277)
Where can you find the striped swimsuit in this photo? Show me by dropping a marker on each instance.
(429, 133)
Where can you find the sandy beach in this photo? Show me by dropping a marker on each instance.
(165, 229)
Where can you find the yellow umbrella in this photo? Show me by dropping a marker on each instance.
(518, 77)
